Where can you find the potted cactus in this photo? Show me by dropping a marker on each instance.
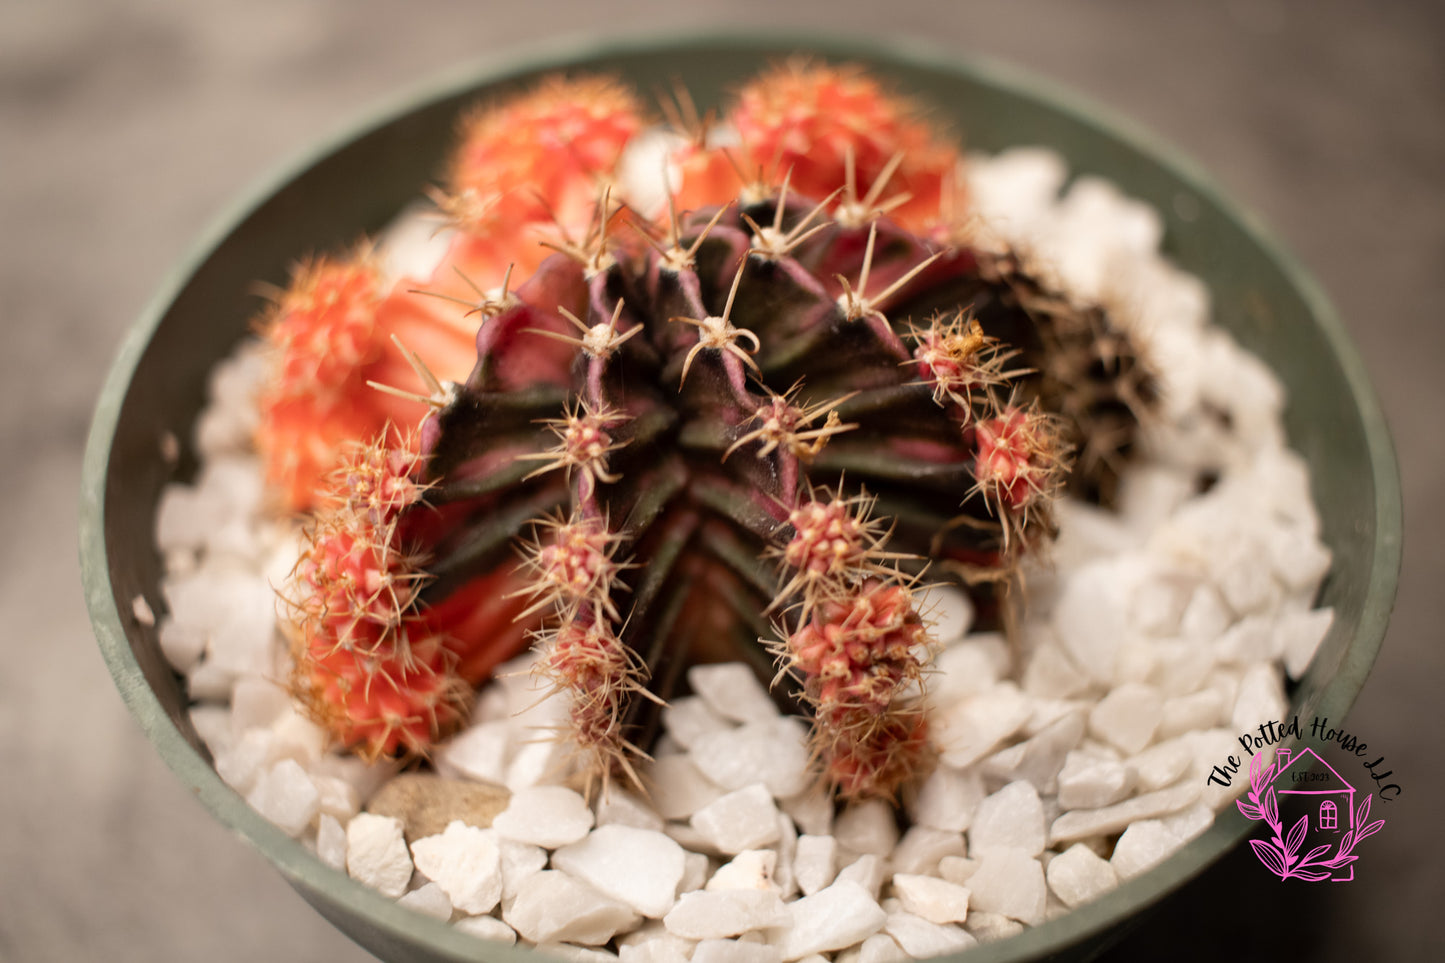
(646, 395)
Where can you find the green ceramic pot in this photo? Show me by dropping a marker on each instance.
(357, 183)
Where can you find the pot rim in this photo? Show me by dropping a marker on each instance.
(307, 873)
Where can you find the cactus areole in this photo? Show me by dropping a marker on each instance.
(748, 428)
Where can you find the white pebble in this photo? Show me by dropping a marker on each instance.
(1260, 700)
(732, 691)
(181, 644)
(1009, 882)
(376, 854)
(465, 862)
(921, 849)
(520, 861)
(1090, 781)
(652, 943)
(626, 809)
(1298, 558)
(695, 870)
(957, 869)
(1246, 581)
(881, 948)
(867, 871)
(638, 867)
(936, 900)
(1039, 759)
(1205, 618)
(773, 752)
(745, 819)
(331, 843)
(811, 810)
(286, 796)
(1128, 716)
(429, 900)
(552, 907)
(546, 816)
(479, 753)
(751, 869)
(336, 797)
(536, 763)
(1159, 603)
(689, 718)
(1190, 822)
(1050, 673)
(1161, 765)
(297, 737)
(921, 939)
(831, 919)
(1198, 710)
(992, 927)
(487, 928)
(577, 954)
(1078, 875)
(1083, 823)
(677, 788)
(973, 727)
(1012, 818)
(735, 951)
(256, 702)
(867, 827)
(1143, 846)
(1090, 618)
(704, 915)
(947, 799)
(1252, 639)
(968, 667)
(815, 863)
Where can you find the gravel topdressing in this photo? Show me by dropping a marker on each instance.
(1072, 757)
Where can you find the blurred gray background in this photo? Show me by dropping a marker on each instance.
(126, 128)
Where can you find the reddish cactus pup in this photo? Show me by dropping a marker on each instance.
(741, 433)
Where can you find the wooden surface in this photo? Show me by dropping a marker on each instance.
(126, 129)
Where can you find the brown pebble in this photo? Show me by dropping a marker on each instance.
(425, 803)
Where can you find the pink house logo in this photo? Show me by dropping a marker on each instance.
(1320, 845)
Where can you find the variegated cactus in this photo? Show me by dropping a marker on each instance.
(743, 428)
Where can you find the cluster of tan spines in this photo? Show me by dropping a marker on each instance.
(367, 666)
(856, 644)
(574, 570)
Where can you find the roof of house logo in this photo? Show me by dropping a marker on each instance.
(1304, 771)
(1319, 845)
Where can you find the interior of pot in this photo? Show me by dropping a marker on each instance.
(358, 183)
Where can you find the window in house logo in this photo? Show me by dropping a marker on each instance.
(1320, 845)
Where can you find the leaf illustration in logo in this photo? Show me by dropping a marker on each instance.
(1271, 807)
(1249, 810)
(1311, 875)
(1316, 853)
(1296, 837)
(1268, 855)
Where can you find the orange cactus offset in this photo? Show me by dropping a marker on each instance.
(529, 169)
(382, 672)
(816, 120)
(333, 334)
